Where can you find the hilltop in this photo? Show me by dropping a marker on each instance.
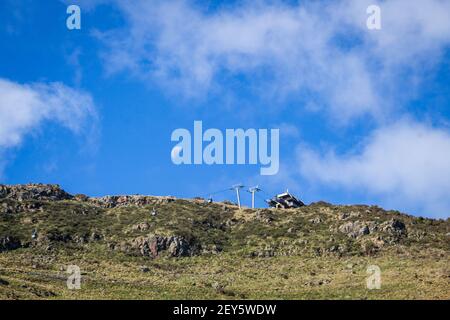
(162, 247)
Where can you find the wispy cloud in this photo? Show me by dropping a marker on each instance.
(406, 165)
(25, 107)
(322, 55)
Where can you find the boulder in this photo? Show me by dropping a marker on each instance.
(144, 226)
(8, 243)
(355, 229)
(178, 247)
(316, 220)
(343, 215)
(394, 227)
(95, 236)
(144, 269)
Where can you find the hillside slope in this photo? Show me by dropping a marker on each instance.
(143, 247)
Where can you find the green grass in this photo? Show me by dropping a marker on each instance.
(293, 277)
(301, 263)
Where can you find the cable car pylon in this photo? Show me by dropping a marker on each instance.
(238, 187)
(253, 190)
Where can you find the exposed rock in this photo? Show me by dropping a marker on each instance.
(316, 220)
(357, 214)
(144, 269)
(364, 230)
(212, 249)
(419, 235)
(144, 226)
(8, 243)
(218, 287)
(178, 247)
(111, 245)
(55, 236)
(315, 283)
(3, 191)
(343, 216)
(369, 248)
(95, 236)
(9, 208)
(123, 246)
(76, 238)
(334, 248)
(80, 239)
(14, 206)
(153, 246)
(231, 222)
(317, 251)
(23, 192)
(267, 252)
(39, 292)
(264, 215)
(81, 197)
(126, 201)
(354, 229)
(394, 227)
(215, 249)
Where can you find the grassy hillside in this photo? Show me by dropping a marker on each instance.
(163, 248)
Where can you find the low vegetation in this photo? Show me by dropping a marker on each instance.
(164, 248)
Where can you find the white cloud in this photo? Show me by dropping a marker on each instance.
(24, 107)
(406, 165)
(301, 51)
(410, 30)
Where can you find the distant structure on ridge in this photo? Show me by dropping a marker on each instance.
(285, 201)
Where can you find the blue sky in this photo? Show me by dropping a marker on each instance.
(363, 114)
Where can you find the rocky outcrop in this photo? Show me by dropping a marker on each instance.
(8, 243)
(388, 232)
(154, 246)
(11, 206)
(23, 192)
(394, 227)
(355, 229)
(55, 236)
(126, 201)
